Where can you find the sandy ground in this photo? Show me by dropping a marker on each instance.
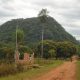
(67, 71)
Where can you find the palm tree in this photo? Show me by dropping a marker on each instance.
(19, 38)
(43, 18)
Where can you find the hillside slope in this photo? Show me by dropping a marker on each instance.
(32, 28)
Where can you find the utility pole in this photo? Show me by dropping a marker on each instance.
(42, 47)
(43, 17)
(16, 38)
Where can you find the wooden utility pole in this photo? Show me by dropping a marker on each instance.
(42, 46)
(43, 17)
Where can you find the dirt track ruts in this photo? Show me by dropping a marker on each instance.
(67, 71)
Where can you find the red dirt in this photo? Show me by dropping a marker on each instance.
(63, 72)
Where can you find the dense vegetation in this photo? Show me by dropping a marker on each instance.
(32, 28)
(78, 47)
(53, 49)
(7, 51)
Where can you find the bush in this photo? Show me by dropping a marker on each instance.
(6, 69)
(19, 67)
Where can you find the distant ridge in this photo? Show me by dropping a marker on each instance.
(32, 28)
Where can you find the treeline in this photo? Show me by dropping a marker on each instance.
(51, 49)
(56, 50)
(7, 51)
(78, 47)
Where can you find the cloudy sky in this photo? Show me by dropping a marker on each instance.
(66, 12)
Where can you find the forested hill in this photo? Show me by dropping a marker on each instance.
(32, 28)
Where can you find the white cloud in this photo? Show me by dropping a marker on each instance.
(77, 37)
(77, 23)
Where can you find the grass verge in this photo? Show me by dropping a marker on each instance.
(78, 70)
(34, 72)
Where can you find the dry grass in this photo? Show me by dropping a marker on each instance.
(31, 73)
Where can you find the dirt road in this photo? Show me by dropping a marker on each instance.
(63, 72)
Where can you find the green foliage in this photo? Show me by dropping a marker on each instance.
(56, 49)
(43, 15)
(48, 49)
(66, 49)
(6, 52)
(32, 28)
(20, 35)
(78, 49)
(24, 49)
(52, 53)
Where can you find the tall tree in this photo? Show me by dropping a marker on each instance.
(20, 35)
(19, 39)
(43, 14)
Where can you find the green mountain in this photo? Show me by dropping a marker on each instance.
(32, 28)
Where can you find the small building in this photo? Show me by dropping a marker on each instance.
(27, 58)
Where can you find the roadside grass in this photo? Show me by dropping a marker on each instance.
(78, 70)
(34, 72)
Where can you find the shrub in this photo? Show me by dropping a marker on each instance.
(6, 69)
(19, 67)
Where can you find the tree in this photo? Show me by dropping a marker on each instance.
(6, 52)
(52, 53)
(66, 50)
(78, 50)
(19, 39)
(49, 49)
(53, 49)
(20, 35)
(43, 14)
(23, 49)
(43, 18)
